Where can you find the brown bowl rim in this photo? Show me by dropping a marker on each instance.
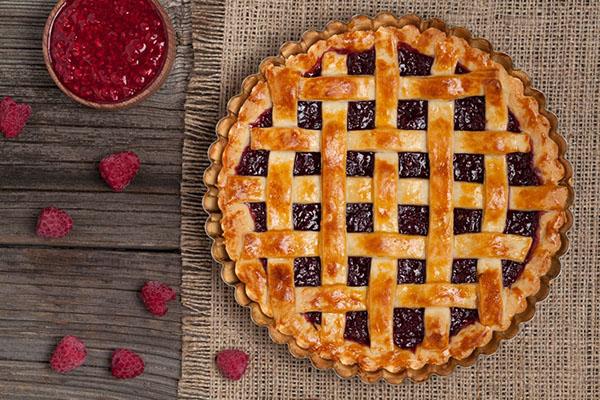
(214, 230)
(156, 84)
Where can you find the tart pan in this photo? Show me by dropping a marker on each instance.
(213, 223)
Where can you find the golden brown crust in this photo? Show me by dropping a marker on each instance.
(497, 305)
(385, 187)
(441, 222)
(288, 139)
(380, 303)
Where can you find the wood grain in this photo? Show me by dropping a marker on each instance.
(87, 283)
(104, 219)
(48, 293)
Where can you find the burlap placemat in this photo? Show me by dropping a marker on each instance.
(555, 356)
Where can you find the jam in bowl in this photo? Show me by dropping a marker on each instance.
(109, 53)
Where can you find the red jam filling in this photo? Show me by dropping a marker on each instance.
(107, 51)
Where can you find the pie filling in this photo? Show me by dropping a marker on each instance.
(308, 163)
(464, 270)
(307, 271)
(360, 163)
(411, 271)
(359, 269)
(306, 217)
(469, 115)
(409, 327)
(411, 62)
(357, 327)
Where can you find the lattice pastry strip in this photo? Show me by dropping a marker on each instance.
(410, 191)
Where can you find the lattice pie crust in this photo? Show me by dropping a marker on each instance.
(370, 215)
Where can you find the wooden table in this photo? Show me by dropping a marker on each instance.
(87, 283)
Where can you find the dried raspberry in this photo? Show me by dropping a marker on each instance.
(53, 223)
(119, 169)
(126, 364)
(69, 354)
(155, 296)
(13, 117)
(232, 363)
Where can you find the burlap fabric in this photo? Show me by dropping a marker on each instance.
(556, 355)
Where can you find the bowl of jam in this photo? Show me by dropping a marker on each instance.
(109, 54)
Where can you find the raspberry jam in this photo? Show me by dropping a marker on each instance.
(107, 51)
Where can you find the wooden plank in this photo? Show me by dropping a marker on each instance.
(84, 176)
(49, 293)
(66, 157)
(103, 219)
(70, 144)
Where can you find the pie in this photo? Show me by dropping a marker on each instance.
(391, 197)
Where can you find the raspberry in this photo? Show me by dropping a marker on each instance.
(13, 117)
(155, 296)
(126, 364)
(53, 223)
(119, 169)
(232, 363)
(69, 354)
